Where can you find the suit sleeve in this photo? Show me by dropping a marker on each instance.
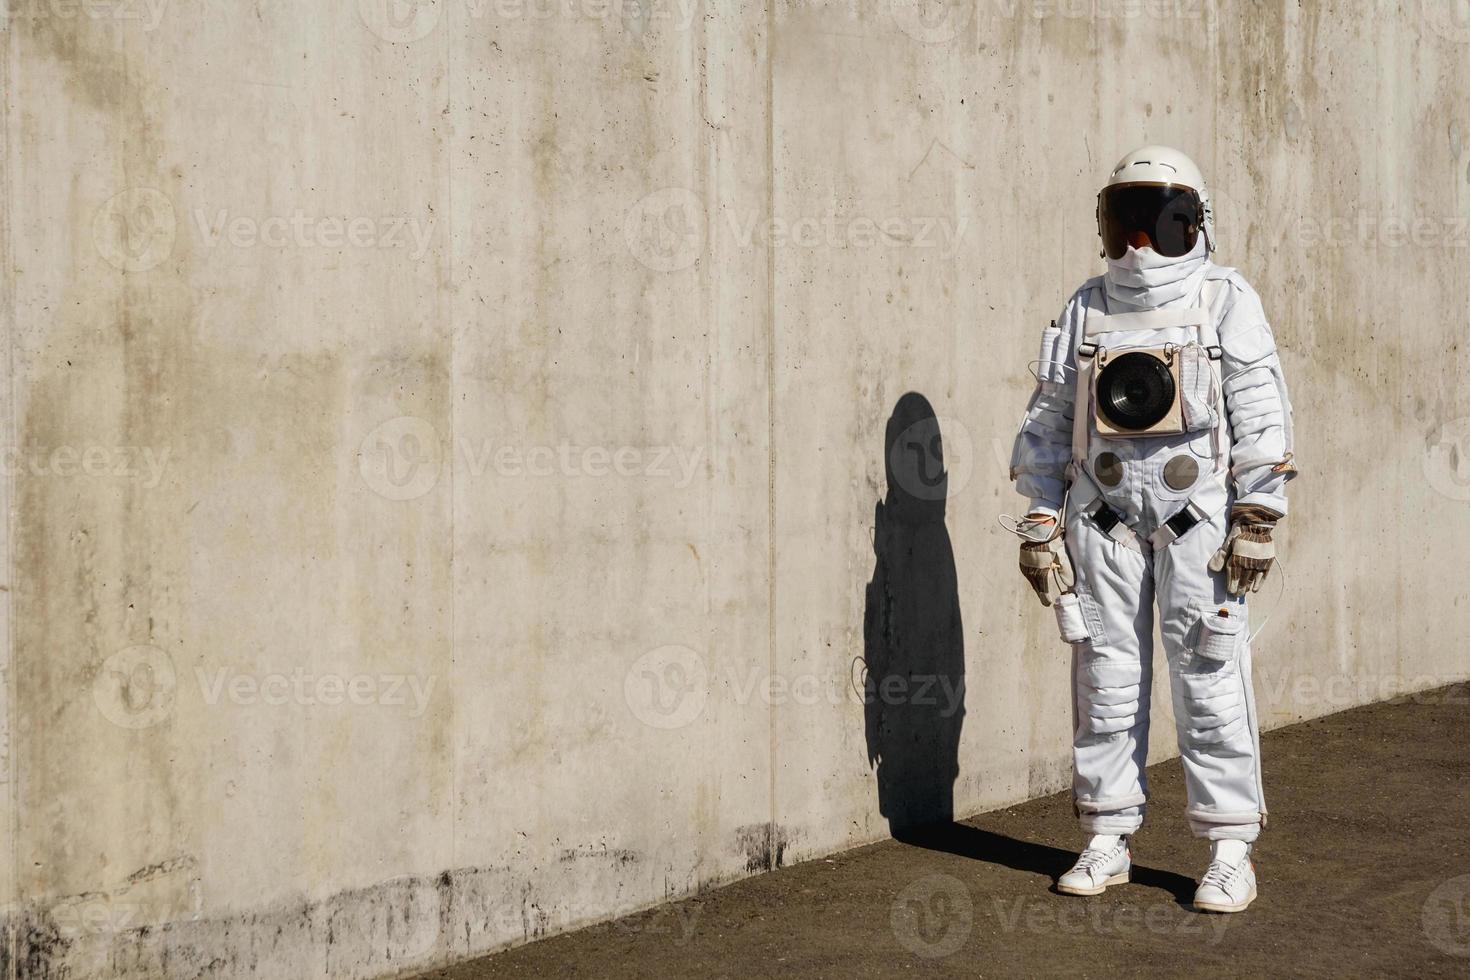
(1256, 402)
(1043, 446)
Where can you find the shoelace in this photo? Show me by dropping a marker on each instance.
(1221, 874)
(1092, 857)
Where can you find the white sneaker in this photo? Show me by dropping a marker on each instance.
(1105, 862)
(1229, 884)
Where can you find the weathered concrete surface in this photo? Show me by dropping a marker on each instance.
(446, 439)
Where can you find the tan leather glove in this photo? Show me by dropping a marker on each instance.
(1046, 566)
(1248, 552)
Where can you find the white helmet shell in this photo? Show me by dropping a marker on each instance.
(1165, 165)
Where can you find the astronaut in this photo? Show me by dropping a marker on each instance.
(1155, 452)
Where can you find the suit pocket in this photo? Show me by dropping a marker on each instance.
(1220, 635)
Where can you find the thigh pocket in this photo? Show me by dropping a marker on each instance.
(1070, 622)
(1092, 617)
(1220, 635)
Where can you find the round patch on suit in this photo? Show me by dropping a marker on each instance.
(1181, 472)
(1108, 469)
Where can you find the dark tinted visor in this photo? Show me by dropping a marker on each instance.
(1166, 218)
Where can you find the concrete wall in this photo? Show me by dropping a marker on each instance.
(447, 440)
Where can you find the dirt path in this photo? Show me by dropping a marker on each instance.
(1365, 870)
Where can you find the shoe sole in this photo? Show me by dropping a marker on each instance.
(1119, 879)
(1214, 907)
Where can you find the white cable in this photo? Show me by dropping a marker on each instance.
(1033, 368)
(1280, 594)
(1018, 524)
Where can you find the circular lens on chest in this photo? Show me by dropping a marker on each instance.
(1108, 469)
(1181, 472)
(1135, 391)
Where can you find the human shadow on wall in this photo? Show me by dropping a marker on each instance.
(914, 658)
(913, 641)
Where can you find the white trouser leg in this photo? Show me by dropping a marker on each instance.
(1214, 706)
(1113, 674)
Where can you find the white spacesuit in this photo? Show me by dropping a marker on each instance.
(1161, 420)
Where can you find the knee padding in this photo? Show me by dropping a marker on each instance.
(1211, 691)
(1214, 708)
(1109, 696)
